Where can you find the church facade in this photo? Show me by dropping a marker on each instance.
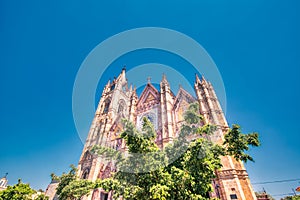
(165, 110)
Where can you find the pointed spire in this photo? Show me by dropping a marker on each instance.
(123, 71)
(134, 92)
(197, 79)
(106, 87)
(164, 79)
(108, 82)
(203, 79)
(122, 75)
(209, 84)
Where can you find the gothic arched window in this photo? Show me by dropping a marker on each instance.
(106, 106)
(151, 117)
(112, 87)
(85, 174)
(121, 106)
(124, 88)
(103, 196)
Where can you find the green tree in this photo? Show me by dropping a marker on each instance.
(183, 170)
(19, 191)
(70, 187)
(64, 179)
(237, 143)
(76, 189)
(41, 197)
(297, 197)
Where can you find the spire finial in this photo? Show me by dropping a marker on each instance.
(149, 79)
(124, 68)
(197, 78)
(203, 79)
(164, 78)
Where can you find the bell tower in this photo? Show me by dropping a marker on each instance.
(117, 102)
(232, 180)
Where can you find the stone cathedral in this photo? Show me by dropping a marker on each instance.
(165, 110)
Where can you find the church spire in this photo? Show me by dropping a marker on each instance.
(203, 79)
(164, 80)
(122, 74)
(149, 80)
(107, 84)
(197, 79)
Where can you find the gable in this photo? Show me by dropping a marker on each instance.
(149, 98)
(149, 95)
(183, 98)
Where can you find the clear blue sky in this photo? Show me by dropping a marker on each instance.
(255, 45)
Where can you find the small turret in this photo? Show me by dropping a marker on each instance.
(197, 79)
(166, 102)
(3, 182)
(203, 81)
(164, 80)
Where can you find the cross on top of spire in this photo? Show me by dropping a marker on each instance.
(149, 79)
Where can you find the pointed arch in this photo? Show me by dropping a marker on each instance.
(122, 106)
(106, 105)
(86, 173)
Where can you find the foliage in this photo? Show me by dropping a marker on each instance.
(296, 197)
(70, 187)
(184, 169)
(237, 143)
(64, 179)
(41, 197)
(76, 189)
(19, 191)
